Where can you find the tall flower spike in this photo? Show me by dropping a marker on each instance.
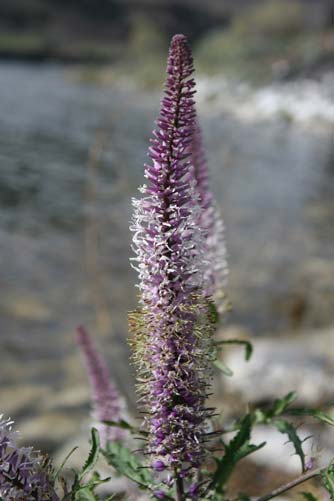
(212, 224)
(25, 475)
(172, 337)
(107, 403)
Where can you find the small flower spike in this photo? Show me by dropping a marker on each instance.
(172, 331)
(213, 226)
(107, 403)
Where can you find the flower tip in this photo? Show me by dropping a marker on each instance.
(82, 333)
(179, 37)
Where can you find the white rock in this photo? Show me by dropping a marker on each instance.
(280, 365)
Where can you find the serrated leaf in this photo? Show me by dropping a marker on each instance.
(308, 496)
(288, 429)
(238, 448)
(223, 368)
(126, 463)
(248, 346)
(93, 454)
(321, 416)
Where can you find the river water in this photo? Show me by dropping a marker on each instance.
(71, 158)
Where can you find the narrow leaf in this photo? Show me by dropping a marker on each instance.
(223, 368)
(281, 404)
(56, 474)
(288, 429)
(321, 416)
(248, 346)
(93, 454)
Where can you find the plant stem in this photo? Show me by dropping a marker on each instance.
(290, 485)
(179, 488)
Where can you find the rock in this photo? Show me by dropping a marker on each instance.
(283, 364)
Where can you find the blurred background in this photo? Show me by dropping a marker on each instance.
(80, 86)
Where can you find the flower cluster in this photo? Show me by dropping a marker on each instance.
(108, 405)
(172, 330)
(25, 475)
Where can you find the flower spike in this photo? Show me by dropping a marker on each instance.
(108, 405)
(171, 331)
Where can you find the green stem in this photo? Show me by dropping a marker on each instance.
(179, 488)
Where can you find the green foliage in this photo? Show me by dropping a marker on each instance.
(93, 454)
(218, 346)
(248, 346)
(126, 463)
(284, 426)
(223, 368)
(328, 480)
(319, 415)
(237, 449)
(267, 32)
(308, 496)
(272, 18)
(85, 490)
(270, 416)
(213, 313)
(124, 425)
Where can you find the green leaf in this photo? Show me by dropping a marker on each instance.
(223, 368)
(248, 346)
(85, 494)
(126, 463)
(238, 448)
(321, 416)
(288, 428)
(93, 454)
(328, 480)
(124, 425)
(279, 407)
(96, 480)
(308, 496)
(281, 404)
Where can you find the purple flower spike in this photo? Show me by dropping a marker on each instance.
(108, 405)
(25, 475)
(172, 334)
(212, 224)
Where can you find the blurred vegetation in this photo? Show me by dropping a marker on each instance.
(256, 40)
(270, 39)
